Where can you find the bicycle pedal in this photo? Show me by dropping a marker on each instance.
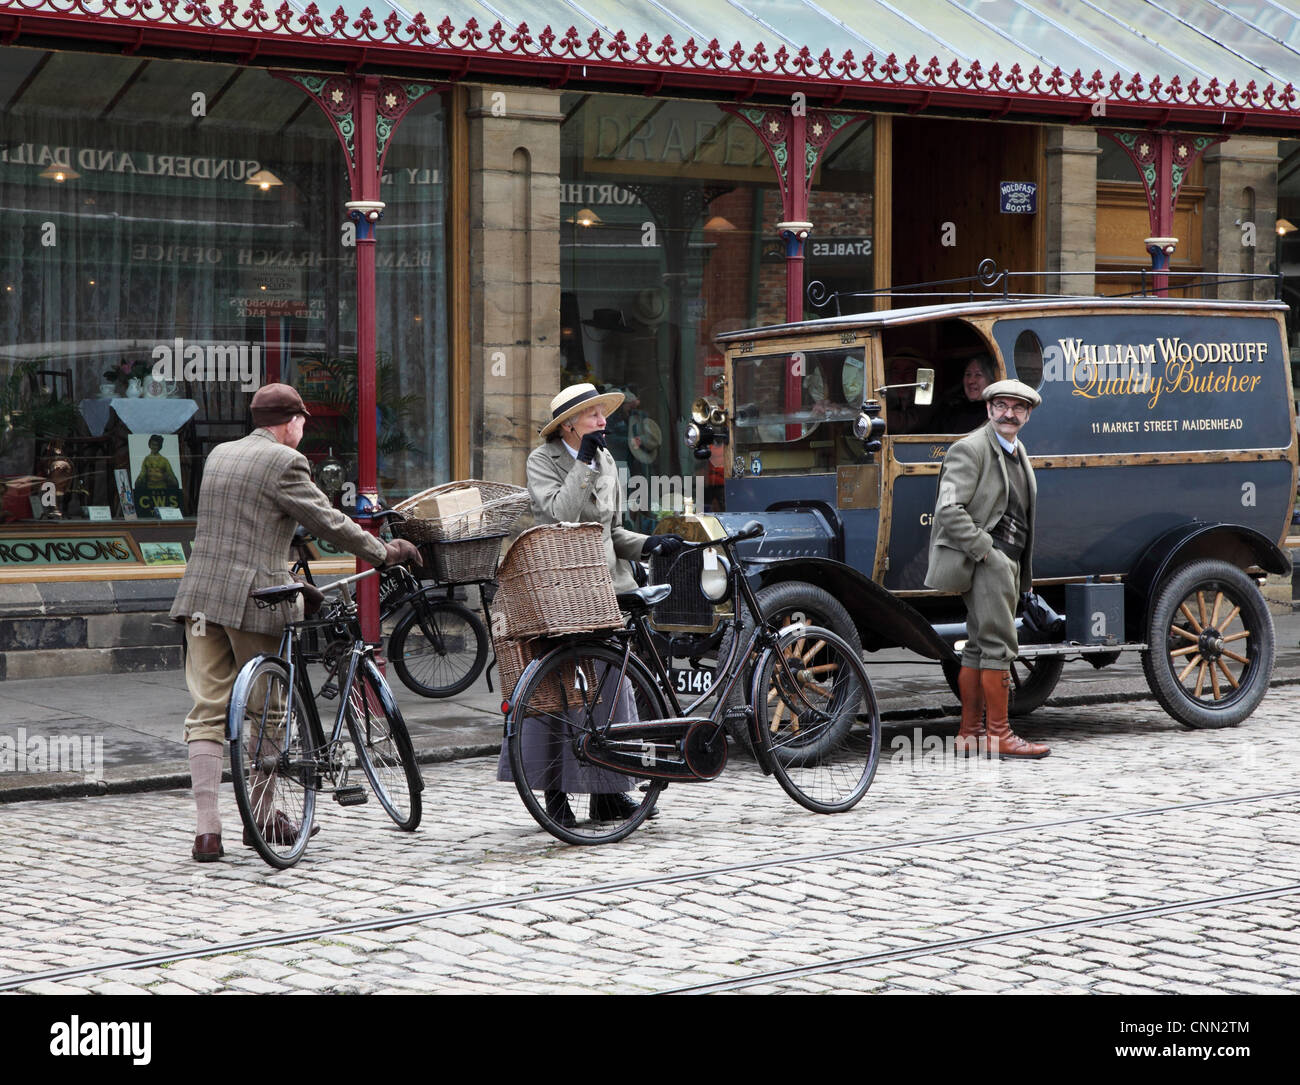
(740, 712)
(355, 795)
(329, 691)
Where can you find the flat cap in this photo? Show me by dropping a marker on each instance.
(1012, 389)
(276, 403)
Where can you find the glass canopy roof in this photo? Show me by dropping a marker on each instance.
(1193, 39)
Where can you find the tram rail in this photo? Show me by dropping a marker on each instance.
(391, 922)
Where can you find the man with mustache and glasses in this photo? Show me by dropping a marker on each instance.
(980, 546)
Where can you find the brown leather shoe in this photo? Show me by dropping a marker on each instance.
(207, 848)
(972, 712)
(1002, 741)
(280, 830)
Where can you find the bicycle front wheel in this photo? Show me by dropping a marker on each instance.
(573, 692)
(817, 718)
(271, 761)
(438, 647)
(384, 746)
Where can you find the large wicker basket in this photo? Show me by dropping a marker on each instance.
(555, 580)
(502, 506)
(514, 655)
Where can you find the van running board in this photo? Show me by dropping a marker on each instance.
(1029, 651)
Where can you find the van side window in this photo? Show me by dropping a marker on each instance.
(1028, 358)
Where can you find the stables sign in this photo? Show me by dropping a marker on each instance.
(65, 550)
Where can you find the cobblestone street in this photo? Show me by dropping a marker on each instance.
(1139, 857)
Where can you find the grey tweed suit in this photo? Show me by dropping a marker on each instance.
(973, 492)
(255, 491)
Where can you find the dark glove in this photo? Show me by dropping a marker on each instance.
(1041, 620)
(402, 552)
(590, 442)
(667, 545)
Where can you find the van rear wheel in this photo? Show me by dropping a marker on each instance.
(1211, 645)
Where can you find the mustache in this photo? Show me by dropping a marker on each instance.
(1007, 419)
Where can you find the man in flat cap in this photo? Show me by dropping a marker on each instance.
(980, 546)
(255, 492)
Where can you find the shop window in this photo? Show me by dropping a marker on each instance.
(170, 239)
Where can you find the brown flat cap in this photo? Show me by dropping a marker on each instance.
(276, 403)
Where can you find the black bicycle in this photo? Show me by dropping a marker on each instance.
(595, 730)
(438, 646)
(280, 756)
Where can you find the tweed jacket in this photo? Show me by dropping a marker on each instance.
(973, 491)
(255, 493)
(566, 491)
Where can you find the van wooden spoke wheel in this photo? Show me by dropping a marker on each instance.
(1212, 645)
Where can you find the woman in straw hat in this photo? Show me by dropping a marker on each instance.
(572, 478)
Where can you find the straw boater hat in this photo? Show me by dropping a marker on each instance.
(578, 398)
(1012, 389)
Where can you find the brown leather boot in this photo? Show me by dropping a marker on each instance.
(1002, 741)
(972, 712)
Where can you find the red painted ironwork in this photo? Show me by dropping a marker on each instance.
(242, 31)
(364, 111)
(1162, 159)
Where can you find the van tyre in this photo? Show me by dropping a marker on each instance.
(1032, 682)
(1211, 645)
(783, 602)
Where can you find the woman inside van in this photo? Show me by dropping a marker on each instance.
(969, 410)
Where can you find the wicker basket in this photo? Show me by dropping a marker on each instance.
(514, 655)
(554, 580)
(502, 506)
(460, 562)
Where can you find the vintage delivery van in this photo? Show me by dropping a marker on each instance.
(1165, 452)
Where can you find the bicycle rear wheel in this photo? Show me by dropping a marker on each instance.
(438, 647)
(384, 746)
(270, 761)
(817, 719)
(572, 692)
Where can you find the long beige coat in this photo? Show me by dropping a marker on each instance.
(255, 493)
(566, 491)
(973, 492)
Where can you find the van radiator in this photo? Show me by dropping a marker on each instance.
(686, 605)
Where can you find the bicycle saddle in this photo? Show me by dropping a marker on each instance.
(642, 599)
(277, 593)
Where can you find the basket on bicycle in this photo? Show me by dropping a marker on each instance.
(555, 580)
(461, 562)
(561, 690)
(487, 509)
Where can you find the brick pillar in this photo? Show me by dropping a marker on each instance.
(1071, 209)
(514, 207)
(1241, 188)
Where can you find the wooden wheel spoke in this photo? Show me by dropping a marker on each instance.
(1200, 679)
(1228, 620)
(1185, 651)
(1237, 636)
(822, 668)
(1214, 614)
(1188, 669)
(1200, 606)
(1233, 655)
(805, 656)
(776, 716)
(1179, 631)
(1228, 675)
(1196, 627)
(1214, 682)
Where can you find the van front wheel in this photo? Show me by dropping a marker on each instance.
(1211, 645)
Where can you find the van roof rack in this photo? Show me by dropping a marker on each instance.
(990, 281)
